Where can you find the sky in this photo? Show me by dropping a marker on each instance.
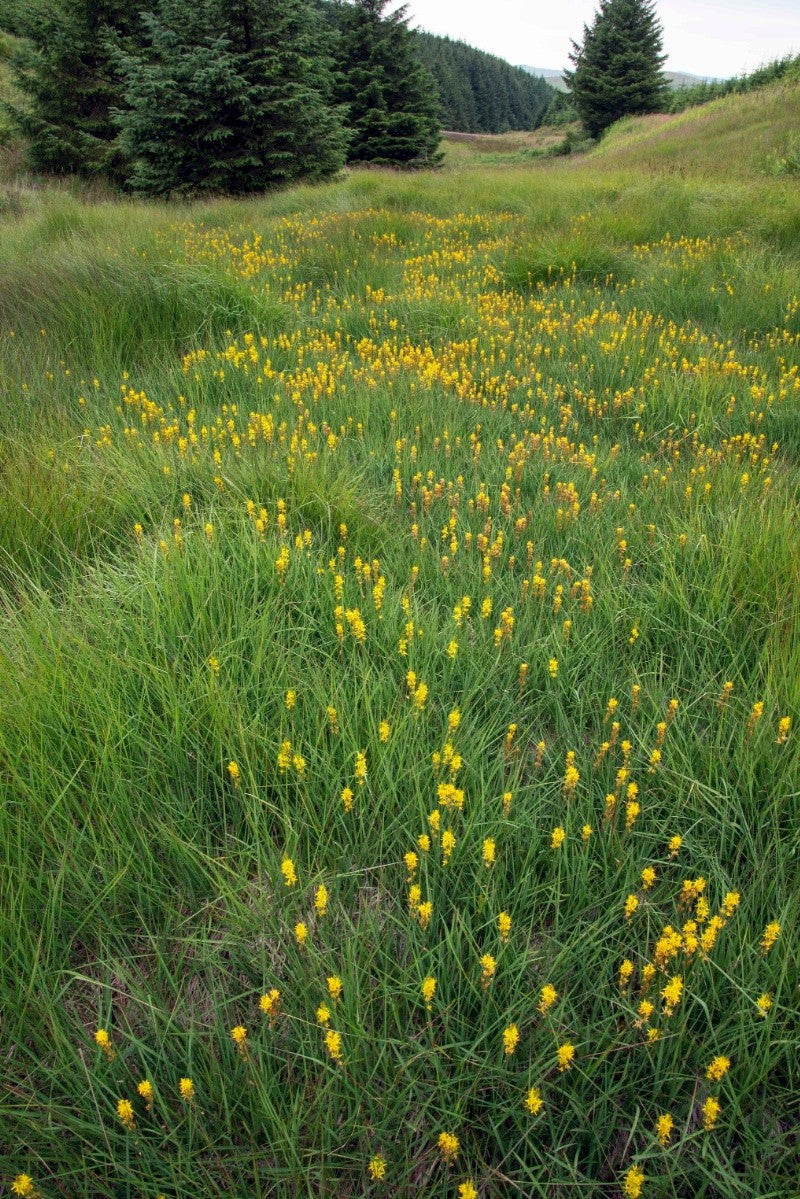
(703, 37)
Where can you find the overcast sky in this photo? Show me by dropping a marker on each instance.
(703, 37)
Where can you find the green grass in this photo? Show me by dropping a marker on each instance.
(381, 353)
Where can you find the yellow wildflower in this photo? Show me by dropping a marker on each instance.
(488, 852)
(510, 1039)
(448, 845)
(625, 974)
(186, 1087)
(467, 1190)
(321, 899)
(239, 1035)
(145, 1089)
(771, 934)
(648, 878)
(557, 839)
(235, 773)
(711, 1110)
(301, 933)
(428, 989)
(288, 872)
(448, 1146)
(104, 1041)
(333, 1044)
(361, 768)
(631, 904)
(664, 1126)
(547, 997)
(672, 994)
(633, 1182)
(377, 1168)
(534, 1101)
(270, 1002)
(347, 798)
(23, 1186)
(488, 967)
(125, 1113)
(718, 1068)
(764, 1003)
(566, 1055)
(323, 1015)
(335, 987)
(503, 925)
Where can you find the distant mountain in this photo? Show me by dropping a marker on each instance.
(676, 79)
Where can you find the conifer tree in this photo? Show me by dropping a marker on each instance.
(228, 97)
(391, 97)
(62, 67)
(618, 65)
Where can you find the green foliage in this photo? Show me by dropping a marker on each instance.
(390, 96)
(479, 93)
(63, 71)
(618, 65)
(786, 69)
(228, 98)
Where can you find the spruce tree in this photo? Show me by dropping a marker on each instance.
(390, 96)
(618, 65)
(228, 97)
(62, 67)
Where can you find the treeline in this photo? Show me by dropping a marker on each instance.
(700, 93)
(227, 96)
(479, 93)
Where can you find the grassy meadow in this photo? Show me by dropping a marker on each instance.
(399, 677)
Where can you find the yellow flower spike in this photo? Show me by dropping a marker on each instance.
(234, 773)
(784, 725)
(333, 1044)
(377, 1168)
(552, 667)
(503, 925)
(448, 845)
(664, 1126)
(488, 967)
(145, 1089)
(239, 1037)
(424, 913)
(566, 1056)
(23, 1186)
(533, 1101)
(448, 1146)
(321, 900)
(335, 987)
(323, 1015)
(489, 852)
(625, 974)
(301, 933)
(289, 873)
(632, 1183)
(510, 1039)
(711, 1110)
(586, 832)
(717, 1068)
(384, 731)
(125, 1113)
(675, 844)
(360, 768)
(507, 798)
(186, 1087)
(103, 1039)
(467, 1190)
(764, 1003)
(771, 934)
(557, 838)
(672, 994)
(347, 799)
(547, 997)
(428, 989)
(648, 878)
(291, 699)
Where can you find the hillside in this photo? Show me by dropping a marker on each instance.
(736, 135)
(677, 79)
(480, 93)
